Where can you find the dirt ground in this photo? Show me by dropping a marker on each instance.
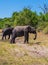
(36, 48)
(33, 53)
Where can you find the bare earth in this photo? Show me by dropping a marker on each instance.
(39, 47)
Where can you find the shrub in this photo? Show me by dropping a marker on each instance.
(45, 30)
(42, 25)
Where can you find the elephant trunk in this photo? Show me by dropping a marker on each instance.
(35, 35)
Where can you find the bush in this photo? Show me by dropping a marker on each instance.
(42, 25)
(45, 30)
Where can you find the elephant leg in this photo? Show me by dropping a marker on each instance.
(5, 37)
(2, 37)
(25, 39)
(13, 39)
(26, 35)
(9, 37)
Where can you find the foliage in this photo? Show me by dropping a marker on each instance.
(45, 30)
(42, 25)
(26, 17)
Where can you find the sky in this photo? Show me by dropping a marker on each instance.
(7, 7)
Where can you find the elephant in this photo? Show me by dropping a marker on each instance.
(7, 32)
(19, 31)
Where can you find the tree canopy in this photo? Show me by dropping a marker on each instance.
(26, 17)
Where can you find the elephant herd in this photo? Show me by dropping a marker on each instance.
(18, 31)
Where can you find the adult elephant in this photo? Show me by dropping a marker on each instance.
(19, 31)
(6, 32)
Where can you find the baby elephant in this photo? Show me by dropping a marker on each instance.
(7, 32)
(19, 31)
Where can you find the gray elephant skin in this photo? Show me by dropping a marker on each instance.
(7, 32)
(19, 31)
